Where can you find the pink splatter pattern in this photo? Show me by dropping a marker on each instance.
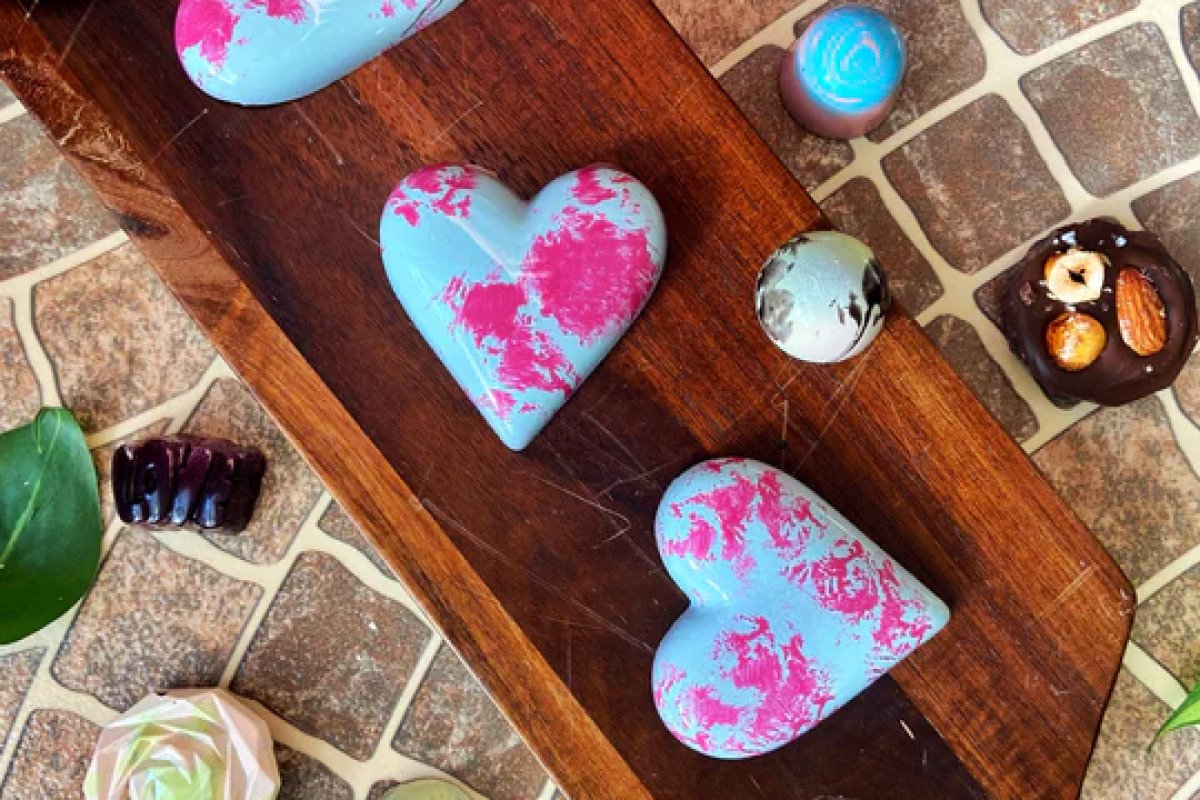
(294, 11)
(445, 188)
(588, 189)
(788, 522)
(591, 275)
(491, 311)
(668, 678)
(208, 24)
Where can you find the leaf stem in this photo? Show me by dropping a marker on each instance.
(31, 506)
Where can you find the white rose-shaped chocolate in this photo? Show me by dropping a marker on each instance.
(187, 744)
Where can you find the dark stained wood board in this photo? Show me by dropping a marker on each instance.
(540, 566)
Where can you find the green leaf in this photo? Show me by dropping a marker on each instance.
(1186, 715)
(50, 527)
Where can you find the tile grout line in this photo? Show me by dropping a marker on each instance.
(1161, 683)
(13, 110)
(35, 353)
(27, 280)
(1189, 789)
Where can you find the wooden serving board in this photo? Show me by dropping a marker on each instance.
(540, 566)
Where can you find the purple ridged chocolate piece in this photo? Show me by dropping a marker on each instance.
(183, 481)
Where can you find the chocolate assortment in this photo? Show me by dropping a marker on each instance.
(1100, 313)
(181, 481)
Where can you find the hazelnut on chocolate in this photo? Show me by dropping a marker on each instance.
(1100, 313)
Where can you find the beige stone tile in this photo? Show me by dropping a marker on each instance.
(332, 656)
(714, 29)
(1121, 768)
(119, 341)
(154, 620)
(16, 674)
(1187, 389)
(962, 347)
(454, 725)
(753, 85)
(1167, 626)
(46, 210)
(338, 524)
(857, 209)
(304, 778)
(289, 489)
(51, 759)
(994, 193)
(1138, 118)
(20, 396)
(1032, 25)
(1124, 474)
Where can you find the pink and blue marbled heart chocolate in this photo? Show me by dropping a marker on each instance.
(260, 52)
(793, 610)
(522, 301)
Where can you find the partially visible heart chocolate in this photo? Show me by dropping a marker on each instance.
(522, 301)
(793, 610)
(260, 52)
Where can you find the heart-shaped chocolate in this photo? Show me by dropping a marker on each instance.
(522, 301)
(793, 610)
(260, 52)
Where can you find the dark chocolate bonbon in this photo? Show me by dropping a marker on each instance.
(1123, 371)
(181, 481)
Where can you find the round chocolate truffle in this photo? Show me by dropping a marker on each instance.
(1100, 313)
(822, 297)
(840, 79)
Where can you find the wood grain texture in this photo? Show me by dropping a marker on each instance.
(540, 567)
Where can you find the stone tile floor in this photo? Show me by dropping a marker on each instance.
(299, 614)
(378, 697)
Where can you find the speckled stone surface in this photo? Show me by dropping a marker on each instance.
(1095, 464)
(289, 490)
(142, 348)
(46, 210)
(753, 86)
(332, 655)
(944, 55)
(963, 348)
(858, 209)
(1121, 769)
(20, 396)
(1171, 212)
(1189, 22)
(454, 725)
(1169, 626)
(714, 29)
(304, 778)
(16, 673)
(6, 95)
(51, 758)
(1138, 118)
(1032, 25)
(154, 620)
(994, 194)
(337, 524)
(1187, 389)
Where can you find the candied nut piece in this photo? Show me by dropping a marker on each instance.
(1141, 315)
(1075, 341)
(211, 484)
(1076, 276)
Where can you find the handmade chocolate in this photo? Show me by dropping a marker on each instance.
(182, 481)
(793, 610)
(522, 301)
(259, 52)
(185, 744)
(841, 78)
(1100, 313)
(822, 297)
